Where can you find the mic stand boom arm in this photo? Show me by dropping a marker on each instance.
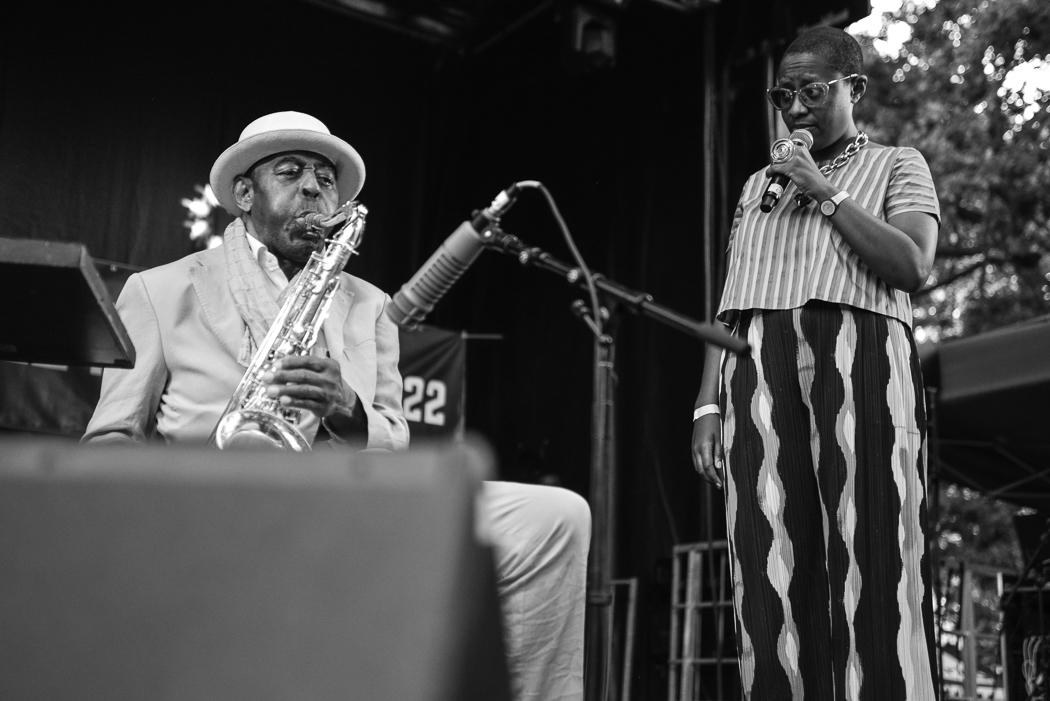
(635, 301)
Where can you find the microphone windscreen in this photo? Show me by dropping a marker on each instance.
(803, 138)
(417, 297)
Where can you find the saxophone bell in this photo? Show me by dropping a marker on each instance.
(257, 428)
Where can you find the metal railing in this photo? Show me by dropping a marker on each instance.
(703, 663)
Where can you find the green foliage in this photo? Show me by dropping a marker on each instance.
(987, 144)
(976, 530)
(951, 94)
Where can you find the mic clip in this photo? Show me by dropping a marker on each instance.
(490, 216)
(503, 202)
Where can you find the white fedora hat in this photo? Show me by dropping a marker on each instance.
(279, 132)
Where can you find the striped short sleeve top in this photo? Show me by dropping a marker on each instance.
(790, 256)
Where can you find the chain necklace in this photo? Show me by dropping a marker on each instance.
(840, 160)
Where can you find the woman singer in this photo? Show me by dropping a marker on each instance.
(818, 435)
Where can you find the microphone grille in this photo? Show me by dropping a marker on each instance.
(802, 137)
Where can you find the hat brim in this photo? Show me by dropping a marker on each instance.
(234, 161)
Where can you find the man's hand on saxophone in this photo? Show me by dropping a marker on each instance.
(311, 383)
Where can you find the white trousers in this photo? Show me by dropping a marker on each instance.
(540, 536)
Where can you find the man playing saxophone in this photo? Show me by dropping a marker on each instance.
(196, 323)
(199, 322)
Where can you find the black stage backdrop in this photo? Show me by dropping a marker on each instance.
(111, 113)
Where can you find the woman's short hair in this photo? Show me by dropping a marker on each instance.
(841, 51)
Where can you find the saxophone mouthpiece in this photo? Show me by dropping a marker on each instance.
(315, 223)
(316, 220)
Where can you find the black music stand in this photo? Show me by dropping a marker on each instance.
(58, 310)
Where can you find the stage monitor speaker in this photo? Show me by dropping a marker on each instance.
(169, 573)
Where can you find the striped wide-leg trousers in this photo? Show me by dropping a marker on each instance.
(825, 488)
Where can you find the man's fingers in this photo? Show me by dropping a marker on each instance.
(305, 365)
(322, 373)
(306, 382)
(299, 377)
(308, 404)
(311, 362)
(297, 391)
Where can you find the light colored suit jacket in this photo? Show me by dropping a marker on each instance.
(187, 331)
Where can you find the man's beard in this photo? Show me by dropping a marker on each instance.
(299, 241)
(284, 231)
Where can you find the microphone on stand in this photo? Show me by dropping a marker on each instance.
(779, 152)
(417, 297)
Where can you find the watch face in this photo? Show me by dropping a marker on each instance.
(827, 207)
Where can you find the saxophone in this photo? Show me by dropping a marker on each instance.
(252, 418)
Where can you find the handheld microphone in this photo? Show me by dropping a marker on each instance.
(417, 297)
(779, 152)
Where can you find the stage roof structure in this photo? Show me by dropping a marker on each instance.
(469, 26)
(992, 411)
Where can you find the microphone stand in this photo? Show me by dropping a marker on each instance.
(634, 301)
(599, 621)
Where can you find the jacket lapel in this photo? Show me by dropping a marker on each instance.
(220, 313)
(336, 321)
(357, 363)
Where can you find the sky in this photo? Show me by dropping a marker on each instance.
(1030, 80)
(896, 34)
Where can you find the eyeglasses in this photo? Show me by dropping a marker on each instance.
(291, 167)
(292, 170)
(812, 95)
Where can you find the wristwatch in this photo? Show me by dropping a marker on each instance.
(828, 207)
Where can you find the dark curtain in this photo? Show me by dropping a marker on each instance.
(111, 113)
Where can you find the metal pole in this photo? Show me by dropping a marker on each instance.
(969, 635)
(708, 158)
(628, 644)
(599, 572)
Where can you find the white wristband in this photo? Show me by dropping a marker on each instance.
(705, 410)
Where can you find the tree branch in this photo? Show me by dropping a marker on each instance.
(970, 216)
(950, 279)
(945, 252)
